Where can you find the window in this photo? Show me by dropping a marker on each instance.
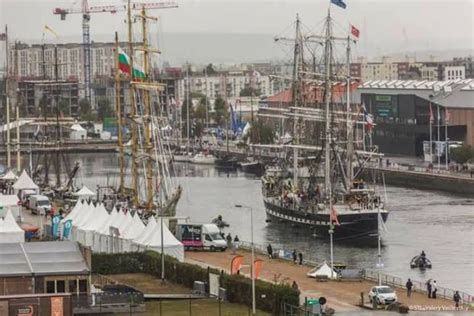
(82, 286)
(50, 287)
(60, 286)
(72, 286)
(207, 237)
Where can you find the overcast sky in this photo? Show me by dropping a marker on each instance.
(385, 25)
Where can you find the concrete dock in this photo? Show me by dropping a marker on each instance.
(341, 295)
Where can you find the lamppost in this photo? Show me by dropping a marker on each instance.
(254, 310)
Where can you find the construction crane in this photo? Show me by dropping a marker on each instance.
(86, 11)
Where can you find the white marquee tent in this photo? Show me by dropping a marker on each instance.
(24, 182)
(9, 176)
(322, 270)
(10, 232)
(85, 234)
(153, 241)
(84, 193)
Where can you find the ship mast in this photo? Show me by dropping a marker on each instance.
(327, 99)
(147, 117)
(133, 112)
(349, 136)
(295, 92)
(118, 110)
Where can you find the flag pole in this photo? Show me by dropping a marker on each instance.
(446, 118)
(431, 134)
(437, 148)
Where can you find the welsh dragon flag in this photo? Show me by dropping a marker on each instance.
(124, 66)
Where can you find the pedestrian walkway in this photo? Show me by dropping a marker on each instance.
(341, 295)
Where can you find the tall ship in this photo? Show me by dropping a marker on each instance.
(152, 190)
(322, 182)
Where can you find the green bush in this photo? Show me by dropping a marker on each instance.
(239, 288)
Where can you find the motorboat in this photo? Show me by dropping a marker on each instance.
(420, 262)
(203, 159)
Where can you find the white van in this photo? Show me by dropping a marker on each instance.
(37, 202)
(200, 236)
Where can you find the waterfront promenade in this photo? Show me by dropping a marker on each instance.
(341, 295)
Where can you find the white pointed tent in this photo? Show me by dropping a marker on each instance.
(322, 270)
(95, 221)
(84, 193)
(9, 176)
(153, 241)
(10, 232)
(139, 241)
(81, 218)
(24, 182)
(100, 238)
(134, 230)
(75, 213)
(121, 227)
(107, 241)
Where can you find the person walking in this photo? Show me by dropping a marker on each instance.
(270, 251)
(409, 286)
(294, 256)
(229, 240)
(300, 256)
(434, 289)
(428, 288)
(236, 242)
(456, 299)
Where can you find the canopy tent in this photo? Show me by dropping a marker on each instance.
(95, 221)
(73, 214)
(9, 202)
(104, 230)
(10, 232)
(121, 227)
(84, 192)
(78, 132)
(322, 270)
(134, 230)
(86, 211)
(9, 176)
(153, 241)
(106, 240)
(24, 182)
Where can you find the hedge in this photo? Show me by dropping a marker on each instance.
(238, 287)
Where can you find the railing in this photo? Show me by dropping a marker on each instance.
(279, 252)
(418, 286)
(371, 275)
(291, 310)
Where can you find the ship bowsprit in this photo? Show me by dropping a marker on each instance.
(352, 224)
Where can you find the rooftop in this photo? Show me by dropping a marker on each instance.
(42, 258)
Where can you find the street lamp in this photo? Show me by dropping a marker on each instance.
(254, 310)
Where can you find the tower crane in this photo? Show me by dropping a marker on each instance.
(86, 11)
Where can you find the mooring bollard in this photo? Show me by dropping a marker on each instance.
(362, 298)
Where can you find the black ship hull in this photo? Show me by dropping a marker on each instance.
(256, 168)
(357, 225)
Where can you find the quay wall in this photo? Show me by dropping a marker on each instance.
(426, 181)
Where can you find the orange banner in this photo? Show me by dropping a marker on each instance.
(57, 306)
(235, 264)
(258, 267)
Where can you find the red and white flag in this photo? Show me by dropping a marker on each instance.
(447, 115)
(355, 31)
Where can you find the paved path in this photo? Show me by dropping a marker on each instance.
(342, 296)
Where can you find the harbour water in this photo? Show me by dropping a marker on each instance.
(440, 224)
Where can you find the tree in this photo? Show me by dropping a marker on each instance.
(210, 70)
(104, 108)
(261, 133)
(247, 92)
(462, 154)
(221, 111)
(85, 110)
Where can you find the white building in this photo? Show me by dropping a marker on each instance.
(429, 73)
(213, 86)
(29, 61)
(454, 72)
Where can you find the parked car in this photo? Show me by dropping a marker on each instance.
(37, 202)
(382, 295)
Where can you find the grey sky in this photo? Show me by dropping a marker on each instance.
(386, 26)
